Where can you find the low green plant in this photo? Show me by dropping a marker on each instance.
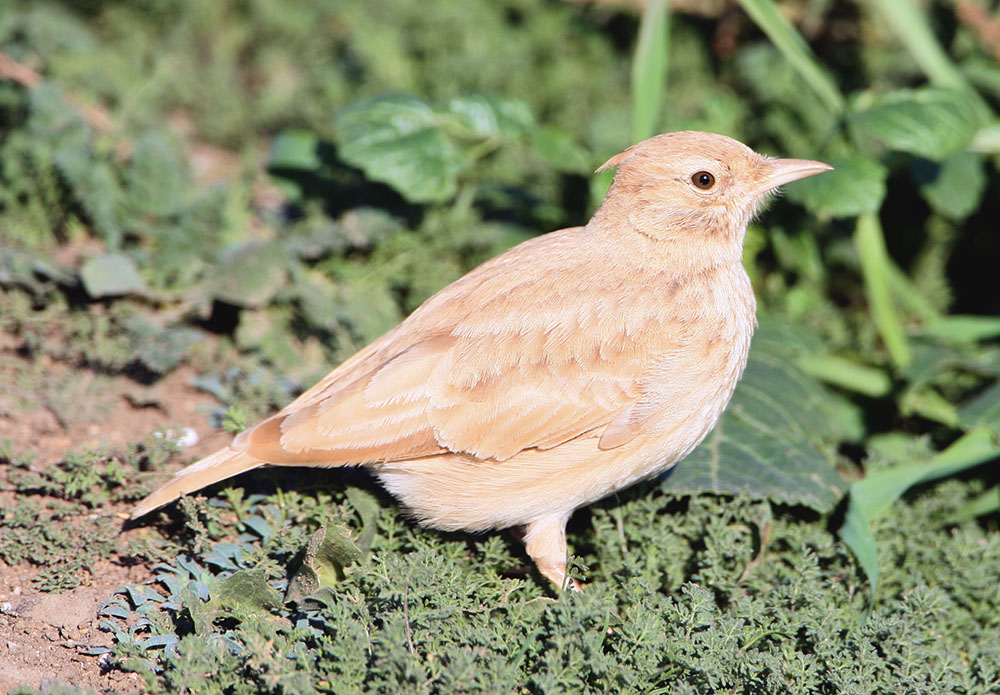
(51, 514)
(695, 594)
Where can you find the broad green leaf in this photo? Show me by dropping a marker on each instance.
(767, 443)
(367, 507)
(876, 270)
(399, 140)
(954, 187)
(872, 496)
(294, 161)
(931, 122)
(294, 149)
(486, 116)
(796, 51)
(987, 140)
(649, 69)
(855, 186)
(245, 590)
(111, 275)
(329, 550)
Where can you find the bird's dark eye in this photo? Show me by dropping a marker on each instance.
(703, 180)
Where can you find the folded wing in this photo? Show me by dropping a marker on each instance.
(489, 366)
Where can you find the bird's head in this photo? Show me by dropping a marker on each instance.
(692, 185)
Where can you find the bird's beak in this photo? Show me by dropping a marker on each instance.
(776, 172)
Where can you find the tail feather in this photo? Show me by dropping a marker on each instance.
(224, 463)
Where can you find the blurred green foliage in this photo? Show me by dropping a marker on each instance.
(259, 189)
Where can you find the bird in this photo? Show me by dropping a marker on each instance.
(562, 370)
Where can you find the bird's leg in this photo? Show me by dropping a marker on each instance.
(545, 541)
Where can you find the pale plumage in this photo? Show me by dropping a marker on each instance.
(557, 372)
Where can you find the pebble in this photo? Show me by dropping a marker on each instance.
(184, 436)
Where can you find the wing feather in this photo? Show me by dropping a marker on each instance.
(489, 366)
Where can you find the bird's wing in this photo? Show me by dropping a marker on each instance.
(493, 364)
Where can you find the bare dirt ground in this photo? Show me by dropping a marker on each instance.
(42, 634)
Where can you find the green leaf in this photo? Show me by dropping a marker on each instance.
(329, 550)
(399, 140)
(874, 494)
(367, 507)
(987, 139)
(983, 410)
(986, 503)
(485, 116)
(294, 149)
(649, 69)
(111, 275)
(934, 359)
(876, 270)
(246, 590)
(954, 187)
(931, 122)
(294, 162)
(847, 374)
(962, 328)
(796, 51)
(928, 403)
(855, 186)
(766, 444)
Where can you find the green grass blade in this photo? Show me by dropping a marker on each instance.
(796, 51)
(857, 535)
(876, 269)
(909, 295)
(908, 21)
(980, 505)
(847, 374)
(872, 496)
(963, 329)
(649, 69)
(930, 404)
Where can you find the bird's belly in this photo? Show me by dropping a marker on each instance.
(459, 492)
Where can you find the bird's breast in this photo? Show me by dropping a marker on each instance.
(689, 385)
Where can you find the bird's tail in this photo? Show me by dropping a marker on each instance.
(224, 463)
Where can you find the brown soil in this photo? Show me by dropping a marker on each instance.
(41, 634)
